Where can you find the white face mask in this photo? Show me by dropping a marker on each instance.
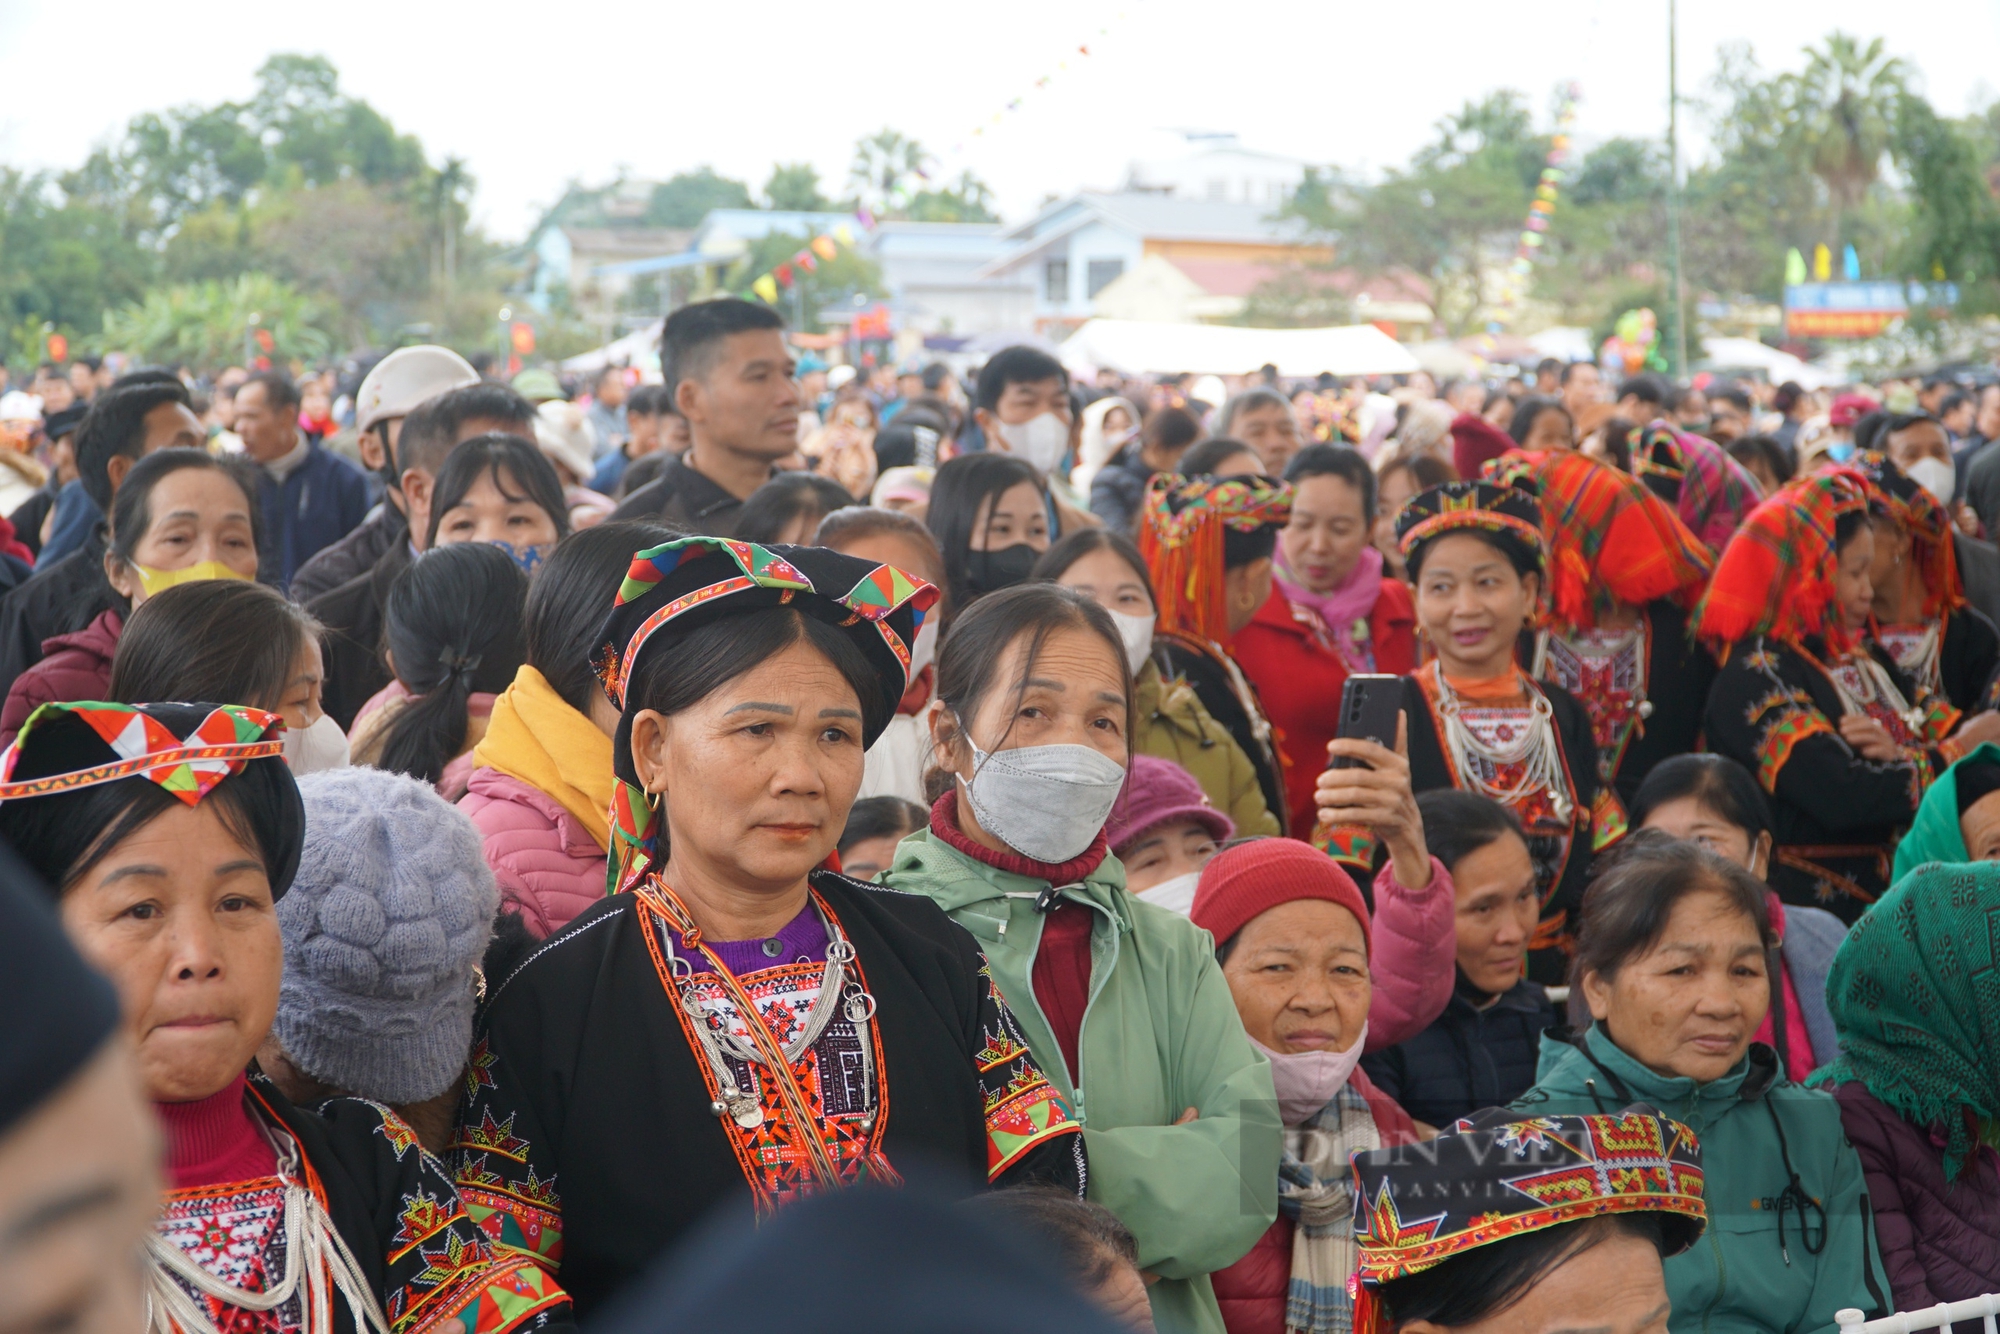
(1307, 1080)
(321, 745)
(1045, 802)
(1175, 895)
(1039, 443)
(1936, 476)
(925, 649)
(1137, 632)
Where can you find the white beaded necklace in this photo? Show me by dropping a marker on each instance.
(314, 1251)
(1537, 751)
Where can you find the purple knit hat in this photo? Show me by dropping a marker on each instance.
(1160, 792)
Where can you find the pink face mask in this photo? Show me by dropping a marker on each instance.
(1307, 1080)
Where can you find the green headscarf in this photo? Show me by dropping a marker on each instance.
(1915, 993)
(1934, 835)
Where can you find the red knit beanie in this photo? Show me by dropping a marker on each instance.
(1241, 882)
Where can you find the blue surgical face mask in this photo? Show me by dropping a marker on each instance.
(529, 558)
(1840, 451)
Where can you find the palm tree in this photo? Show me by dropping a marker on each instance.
(880, 161)
(1844, 106)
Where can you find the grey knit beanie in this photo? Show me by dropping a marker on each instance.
(392, 908)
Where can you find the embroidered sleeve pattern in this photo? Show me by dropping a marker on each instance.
(1350, 845)
(515, 1206)
(1784, 718)
(441, 1271)
(1023, 1110)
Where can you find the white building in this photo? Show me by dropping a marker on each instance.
(1075, 248)
(1217, 167)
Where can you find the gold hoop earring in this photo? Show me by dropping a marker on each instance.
(653, 802)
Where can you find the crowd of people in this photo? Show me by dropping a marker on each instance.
(468, 842)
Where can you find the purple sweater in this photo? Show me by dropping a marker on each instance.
(1938, 1244)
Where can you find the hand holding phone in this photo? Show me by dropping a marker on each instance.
(1371, 706)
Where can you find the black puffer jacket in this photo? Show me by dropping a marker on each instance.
(1468, 1058)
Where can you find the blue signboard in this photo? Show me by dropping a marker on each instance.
(1878, 297)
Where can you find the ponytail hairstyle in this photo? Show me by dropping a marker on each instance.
(453, 625)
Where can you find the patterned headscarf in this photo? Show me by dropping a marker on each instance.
(680, 586)
(1489, 1177)
(1776, 577)
(1711, 491)
(1915, 995)
(1506, 512)
(1891, 493)
(1185, 526)
(187, 749)
(1610, 539)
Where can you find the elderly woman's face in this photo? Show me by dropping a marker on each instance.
(1076, 696)
(1980, 827)
(1687, 1006)
(1299, 975)
(179, 915)
(757, 777)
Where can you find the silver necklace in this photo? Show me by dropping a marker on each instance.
(722, 1048)
(1536, 751)
(314, 1253)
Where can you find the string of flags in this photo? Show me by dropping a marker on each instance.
(1555, 171)
(815, 252)
(1076, 57)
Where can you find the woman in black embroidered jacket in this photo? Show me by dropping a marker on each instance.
(738, 1021)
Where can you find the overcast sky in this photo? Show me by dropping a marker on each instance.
(535, 95)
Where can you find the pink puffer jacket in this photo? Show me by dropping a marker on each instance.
(1414, 957)
(548, 865)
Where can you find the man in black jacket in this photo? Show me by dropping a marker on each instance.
(352, 613)
(734, 379)
(392, 389)
(140, 413)
(1481, 1051)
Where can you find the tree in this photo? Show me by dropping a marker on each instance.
(1843, 109)
(213, 323)
(795, 186)
(968, 199)
(684, 200)
(828, 284)
(1453, 211)
(63, 262)
(881, 161)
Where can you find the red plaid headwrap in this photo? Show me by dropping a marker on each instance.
(1610, 539)
(1776, 576)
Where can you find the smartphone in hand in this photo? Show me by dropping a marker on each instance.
(1370, 705)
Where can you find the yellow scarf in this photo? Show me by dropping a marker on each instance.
(536, 737)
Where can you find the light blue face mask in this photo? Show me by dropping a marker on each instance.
(1840, 451)
(528, 558)
(1045, 802)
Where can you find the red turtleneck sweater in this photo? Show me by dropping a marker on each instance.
(1062, 962)
(215, 1139)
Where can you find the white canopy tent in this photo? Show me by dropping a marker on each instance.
(1778, 367)
(639, 348)
(1142, 347)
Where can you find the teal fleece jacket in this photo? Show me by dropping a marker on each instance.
(1160, 1034)
(1740, 1278)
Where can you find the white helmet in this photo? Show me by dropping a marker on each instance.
(406, 377)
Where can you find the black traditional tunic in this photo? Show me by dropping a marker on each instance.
(1775, 710)
(1231, 700)
(590, 1142)
(1612, 674)
(1560, 841)
(392, 1203)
